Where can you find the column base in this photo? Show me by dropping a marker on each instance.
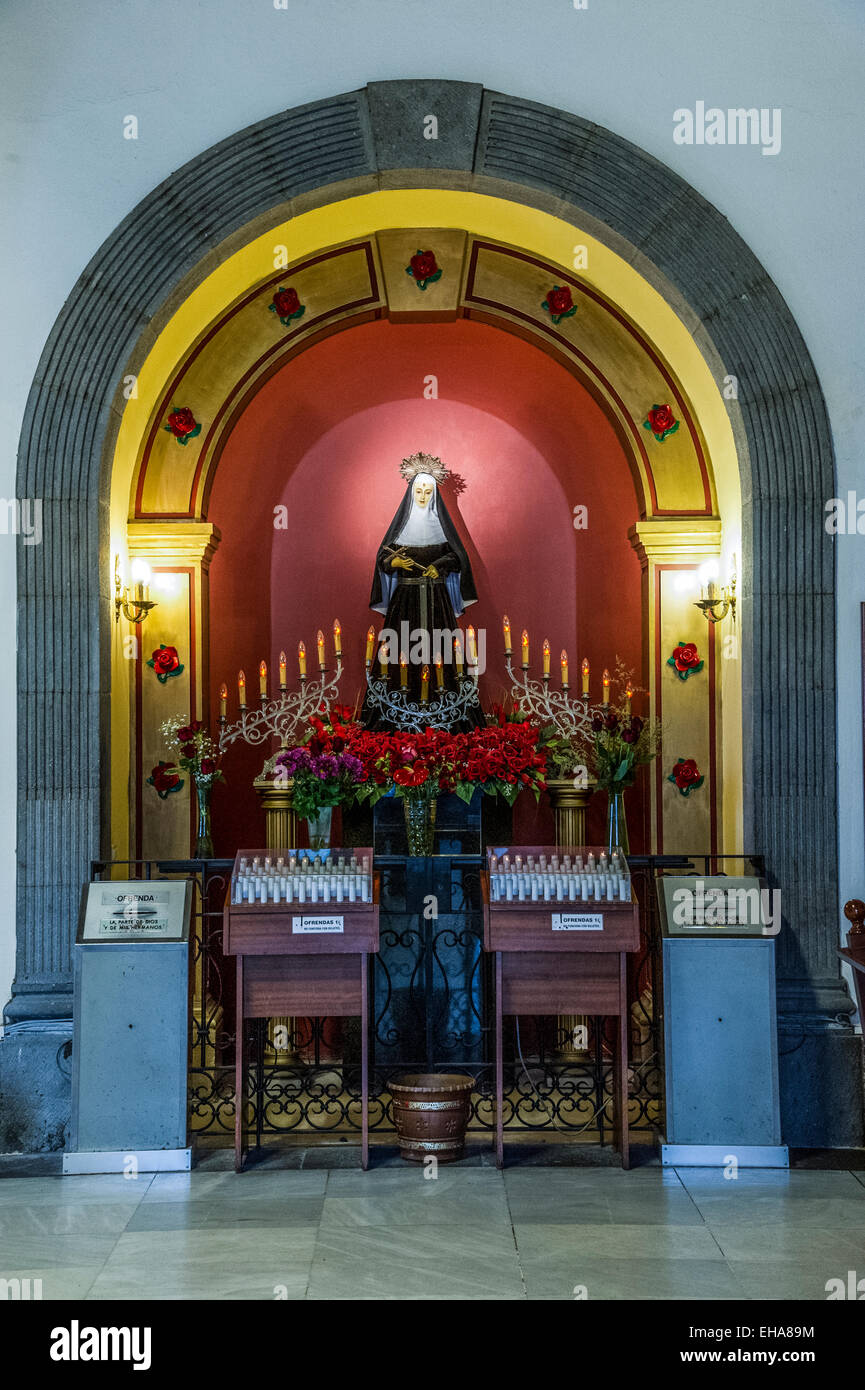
(35, 1086)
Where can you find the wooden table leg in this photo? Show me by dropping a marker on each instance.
(622, 1057)
(239, 1071)
(364, 1061)
(500, 1087)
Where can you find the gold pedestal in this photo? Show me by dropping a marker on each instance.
(280, 833)
(280, 819)
(569, 803)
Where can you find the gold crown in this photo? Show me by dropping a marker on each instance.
(423, 463)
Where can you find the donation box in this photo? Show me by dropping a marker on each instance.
(130, 1041)
(720, 1025)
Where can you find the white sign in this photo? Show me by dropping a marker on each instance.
(302, 926)
(136, 911)
(578, 921)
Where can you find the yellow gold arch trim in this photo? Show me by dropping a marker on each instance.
(540, 234)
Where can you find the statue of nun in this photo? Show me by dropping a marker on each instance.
(423, 582)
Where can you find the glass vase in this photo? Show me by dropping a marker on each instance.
(617, 824)
(319, 828)
(420, 824)
(203, 838)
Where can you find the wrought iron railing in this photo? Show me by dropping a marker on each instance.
(431, 1010)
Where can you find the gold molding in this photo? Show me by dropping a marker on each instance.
(192, 542)
(681, 539)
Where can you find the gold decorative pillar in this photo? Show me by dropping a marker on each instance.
(671, 554)
(569, 802)
(179, 555)
(280, 832)
(279, 817)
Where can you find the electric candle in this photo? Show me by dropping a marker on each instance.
(403, 670)
(337, 637)
(301, 660)
(628, 693)
(564, 659)
(319, 640)
(382, 660)
(223, 700)
(458, 655)
(585, 670)
(473, 647)
(262, 680)
(282, 676)
(424, 684)
(546, 650)
(525, 650)
(506, 627)
(606, 680)
(241, 689)
(370, 643)
(440, 675)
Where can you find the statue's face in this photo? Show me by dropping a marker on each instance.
(422, 492)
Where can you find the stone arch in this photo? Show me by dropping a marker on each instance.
(372, 139)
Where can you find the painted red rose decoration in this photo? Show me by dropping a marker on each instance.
(165, 662)
(166, 779)
(686, 776)
(686, 660)
(423, 269)
(559, 303)
(661, 421)
(182, 424)
(287, 306)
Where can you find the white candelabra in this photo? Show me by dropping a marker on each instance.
(571, 714)
(283, 715)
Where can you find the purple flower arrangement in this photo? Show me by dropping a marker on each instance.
(318, 779)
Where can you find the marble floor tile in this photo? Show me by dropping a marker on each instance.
(100, 1187)
(633, 1241)
(228, 1213)
(425, 1205)
(777, 1281)
(773, 1181)
(417, 1262)
(759, 1209)
(411, 1177)
(208, 1264)
(40, 1249)
(65, 1218)
(70, 1281)
(792, 1244)
(254, 1186)
(558, 1276)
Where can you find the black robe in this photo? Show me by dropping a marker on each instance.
(424, 605)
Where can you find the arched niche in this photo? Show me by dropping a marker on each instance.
(143, 289)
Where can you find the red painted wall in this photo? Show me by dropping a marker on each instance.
(324, 438)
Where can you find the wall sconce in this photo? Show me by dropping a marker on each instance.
(716, 602)
(135, 602)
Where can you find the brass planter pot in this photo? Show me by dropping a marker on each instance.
(430, 1113)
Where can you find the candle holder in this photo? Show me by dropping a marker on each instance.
(444, 709)
(281, 717)
(572, 716)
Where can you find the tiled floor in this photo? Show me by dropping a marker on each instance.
(326, 1232)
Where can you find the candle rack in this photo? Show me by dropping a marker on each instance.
(571, 716)
(442, 711)
(282, 716)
